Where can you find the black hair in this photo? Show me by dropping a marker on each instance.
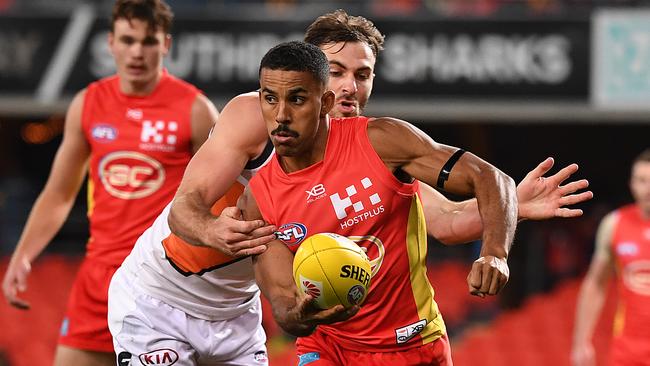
(297, 56)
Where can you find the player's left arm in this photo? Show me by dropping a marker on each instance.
(539, 198)
(204, 115)
(417, 155)
(294, 311)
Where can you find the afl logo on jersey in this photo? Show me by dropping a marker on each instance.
(292, 234)
(104, 132)
(130, 175)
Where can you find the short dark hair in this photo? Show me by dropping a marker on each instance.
(643, 157)
(155, 12)
(297, 56)
(338, 26)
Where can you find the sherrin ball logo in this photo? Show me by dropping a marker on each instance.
(333, 270)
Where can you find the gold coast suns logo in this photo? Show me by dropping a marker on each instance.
(636, 277)
(130, 175)
(374, 248)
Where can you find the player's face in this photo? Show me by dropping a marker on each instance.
(138, 52)
(640, 185)
(293, 104)
(352, 66)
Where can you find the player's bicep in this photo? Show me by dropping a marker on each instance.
(204, 116)
(70, 162)
(235, 139)
(603, 250)
(421, 157)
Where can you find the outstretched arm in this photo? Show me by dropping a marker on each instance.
(592, 295)
(294, 311)
(539, 198)
(53, 204)
(238, 136)
(419, 156)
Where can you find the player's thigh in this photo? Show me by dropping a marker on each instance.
(66, 356)
(145, 330)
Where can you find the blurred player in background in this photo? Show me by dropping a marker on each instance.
(369, 191)
(134, 134)
(622, 250)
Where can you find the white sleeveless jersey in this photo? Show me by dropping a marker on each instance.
(200, 281)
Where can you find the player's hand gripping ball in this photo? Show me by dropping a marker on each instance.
(333, 270)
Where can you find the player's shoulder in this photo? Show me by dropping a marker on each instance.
(387, 126)
(611, 218)
(244, 109)
(105, 82)
(244, 101)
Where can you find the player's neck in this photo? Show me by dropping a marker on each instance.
(312, 154)
(645, 212)
(140, 89)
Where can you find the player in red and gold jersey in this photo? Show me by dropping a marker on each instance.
(135, 132)
(622, 249)
(369, 193)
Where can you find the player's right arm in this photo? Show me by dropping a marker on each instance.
(592, 294)
(294, 311)
(238, 136)
(53, 204)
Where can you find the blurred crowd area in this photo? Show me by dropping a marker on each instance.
(376, 8)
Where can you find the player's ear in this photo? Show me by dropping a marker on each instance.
(111, 41)
(167, 43)
(327, 102)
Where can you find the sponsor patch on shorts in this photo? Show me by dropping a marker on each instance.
(124, 358)
(307, 358)
(260, 356)
(159, 357)
(404, 334)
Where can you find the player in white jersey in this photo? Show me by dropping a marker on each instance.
(172, 302)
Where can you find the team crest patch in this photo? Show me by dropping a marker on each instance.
(159, 357)
(292, 234)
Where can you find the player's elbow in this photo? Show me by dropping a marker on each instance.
(173, 218)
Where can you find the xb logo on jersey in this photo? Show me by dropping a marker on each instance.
(317, 192)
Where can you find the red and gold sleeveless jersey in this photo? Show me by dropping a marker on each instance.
(140, 147)
(631, 250)
(352, 193)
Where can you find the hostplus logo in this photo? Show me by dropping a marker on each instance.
(159, 135)
(352, 204)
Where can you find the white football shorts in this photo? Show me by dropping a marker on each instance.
(147, 331)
